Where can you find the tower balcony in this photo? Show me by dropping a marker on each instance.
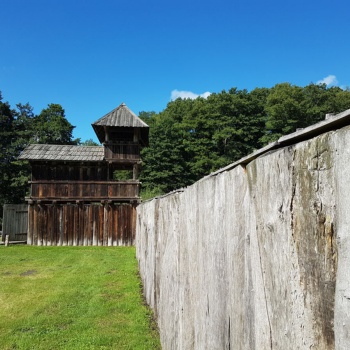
(122, 151)
(86, 191)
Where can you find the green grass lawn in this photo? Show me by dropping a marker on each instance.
(73, 298)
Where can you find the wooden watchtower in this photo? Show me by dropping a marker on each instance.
(122, 134)
(77, 195)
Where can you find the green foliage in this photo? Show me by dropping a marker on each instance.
(89, 142)
(188, 139)
(284, 108)
(191, 138)
(123, 175)
(52, 127)
(165, 166)
(73, 298)
(7, 149)
(289, 107)
(149, 193)
(18, 128)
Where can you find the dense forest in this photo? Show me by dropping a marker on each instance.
(18, 128)
(188, 139)
(191, 138)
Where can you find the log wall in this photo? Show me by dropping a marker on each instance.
(81, 224)
(255, 257)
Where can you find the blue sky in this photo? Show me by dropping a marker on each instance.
(91, 55)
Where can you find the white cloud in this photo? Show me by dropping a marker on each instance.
(187, 94)
(329, 80)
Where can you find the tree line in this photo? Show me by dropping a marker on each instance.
(188, 139)
(191, 138)
(20, 127)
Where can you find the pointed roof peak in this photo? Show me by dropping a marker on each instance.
(119, 117)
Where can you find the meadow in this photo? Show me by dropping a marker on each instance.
(73, 298)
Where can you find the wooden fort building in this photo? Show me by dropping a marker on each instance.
(87, 195)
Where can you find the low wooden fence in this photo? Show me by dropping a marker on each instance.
(81, 224)
(15, 221)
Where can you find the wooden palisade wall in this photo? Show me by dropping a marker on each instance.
(73, 224)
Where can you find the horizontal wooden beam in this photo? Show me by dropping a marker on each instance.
(55, 200)
(81, 182)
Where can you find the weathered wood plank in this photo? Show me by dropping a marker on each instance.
(87, 225)
(105, 224)
(101, 224)
(35, 224)
(60, 225)
(15, 221)
(75, 224)
(30, 224)
(115, 225)
(55, 228)
(95, 225)
(109, 224)
(43, 224)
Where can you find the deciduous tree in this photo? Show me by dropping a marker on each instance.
(19, 128)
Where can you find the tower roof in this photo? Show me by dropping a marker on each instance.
(120, 117)
(69, 153)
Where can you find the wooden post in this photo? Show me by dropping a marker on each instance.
(7, 240)
(105, 223)
(135, 172)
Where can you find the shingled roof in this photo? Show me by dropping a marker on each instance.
(121, 116)
(63, 153)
